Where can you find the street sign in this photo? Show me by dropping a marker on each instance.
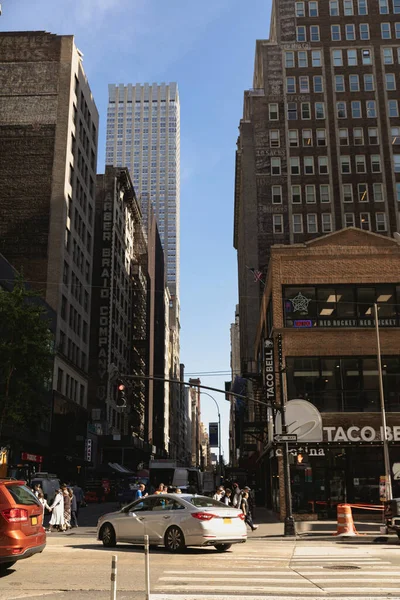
(289, 437)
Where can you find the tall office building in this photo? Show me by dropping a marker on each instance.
(143, 134)
(319, 144)
(48, 139)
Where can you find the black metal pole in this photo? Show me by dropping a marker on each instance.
(290, 529)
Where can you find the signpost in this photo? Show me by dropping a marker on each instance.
(288, 437)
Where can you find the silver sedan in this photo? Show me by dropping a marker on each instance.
(175, 521)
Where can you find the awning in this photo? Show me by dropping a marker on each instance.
(119, 468)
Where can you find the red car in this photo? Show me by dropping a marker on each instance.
(21, 523)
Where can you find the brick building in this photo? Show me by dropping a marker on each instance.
(319, 296)
(48, 137)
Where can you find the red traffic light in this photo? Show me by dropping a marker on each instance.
(121, 387)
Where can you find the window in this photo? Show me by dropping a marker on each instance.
(386, 33)
(302, 59)
(295, 165)
(387, 56)
(289, 60)
(275, 165)
(384, 7)
(326, 222)
(398, 55)
(273, 112)
(393, 108)
(398, 192)
(396, 161)
(335, 33)
(362, 192)
(277, 223)
(293, 138)
(352, 58)
(365, 221)
(314, 33)
(318, 84)
(291, 85)
(354, 83)
(343, 137)
(276, 194)
(396, 7)
(341, 110)
(300, 9)
(334, 8)
(361, 166)
(345, 165)
(309, 165)
(347, 189)
(301, 35)
(358, 136)
(310, 194)
(305, 110)
(304, 84)
(292, 111)
(395, 134)
(324, 193)
(377, 189)
(60, 377)
(380, 220)
(337, 58)
(366, 57)
(274, 139)
(316, 58)
(297, 221)
(375, 163)
(369, 84)
(349, 220)
(348, 9)
(313, 9)
(390, 82)
(306, 136)
(320, 110)
(64, 305)
(323, 165)
(321, 137)
(364, 31)
(339, 83)
(373, 137)
(397, 30)
(312, 225)
(362, 7)
(296, 194)
(350, 31)
(66, 273)
(371, 109)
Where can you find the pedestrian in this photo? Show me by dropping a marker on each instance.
(165, 489)
(57, 516)
(245, 510)
(227, 499)
(79, 495)
(178, 491)
(38, 490)
(140, 492)
(67, 508)
(44, 504)
(160, 489)
(236, 496)
(74, 506)
(250, 501)
(219, 494)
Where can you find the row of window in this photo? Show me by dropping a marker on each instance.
(71, 387)
(368, 83)
(310, 193)
(292, 111)
(312, 33)
(350, 32)
(370, 112)
(308, 111)
(360, 164)
(362, 7)
(72, 351)
(312, 222)
(309, 137)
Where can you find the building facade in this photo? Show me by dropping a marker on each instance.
(194, 395)
(47, 194)
(143, 134)
(320, 297)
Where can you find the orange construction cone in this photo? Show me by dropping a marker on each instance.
(345, 523)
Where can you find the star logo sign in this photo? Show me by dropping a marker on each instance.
(300, 303)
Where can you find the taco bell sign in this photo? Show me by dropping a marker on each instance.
(269, 369)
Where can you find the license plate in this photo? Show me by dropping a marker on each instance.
(227, 520)
(34, 521)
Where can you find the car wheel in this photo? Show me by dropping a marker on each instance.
(107, 536)
(174, 539)
(222, 547)
(398, 534)
(7, 565)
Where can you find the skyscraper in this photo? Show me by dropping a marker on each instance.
(143, 134)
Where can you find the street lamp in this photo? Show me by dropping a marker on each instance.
(219, 431)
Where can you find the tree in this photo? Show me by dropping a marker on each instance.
(26, 352)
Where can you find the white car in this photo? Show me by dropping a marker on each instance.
(175, 521)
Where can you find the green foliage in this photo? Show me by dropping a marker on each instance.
(26, 349)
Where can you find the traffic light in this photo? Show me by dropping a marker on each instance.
(121, 395)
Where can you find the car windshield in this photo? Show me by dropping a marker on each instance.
(23, 495)
(204, 502)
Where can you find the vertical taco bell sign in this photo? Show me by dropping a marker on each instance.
(269, 369)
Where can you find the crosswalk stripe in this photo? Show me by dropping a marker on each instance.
(173, 596)
(296, 581)
(241, 588)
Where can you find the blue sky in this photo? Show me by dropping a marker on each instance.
(208, 48)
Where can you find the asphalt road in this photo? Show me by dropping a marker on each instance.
(75, 566)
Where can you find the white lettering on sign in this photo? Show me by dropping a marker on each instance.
(269, 373)
(361, 434)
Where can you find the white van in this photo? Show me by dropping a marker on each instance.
(49, 484)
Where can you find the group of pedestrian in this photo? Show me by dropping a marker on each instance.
(64, 508)
(238, 498)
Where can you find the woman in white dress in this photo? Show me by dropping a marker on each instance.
(57, 515)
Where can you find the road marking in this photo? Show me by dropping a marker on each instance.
(296, 580)
(270, 597)
(241, 588)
